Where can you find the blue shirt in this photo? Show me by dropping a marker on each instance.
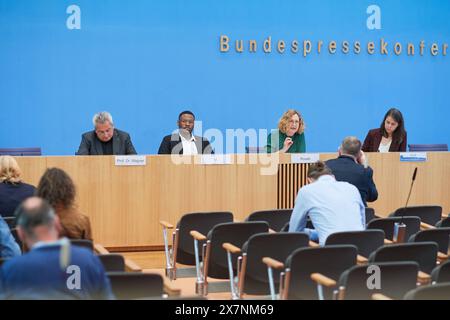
(38, 275)
(8, 245)
(333, 206)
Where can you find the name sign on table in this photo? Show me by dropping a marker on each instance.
(305, 157)
(413, 156)
(130, 160)
(216, 159)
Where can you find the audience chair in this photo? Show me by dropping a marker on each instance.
(441, 273)
(387, 225)
(441, 236)
(444, 223)
(252, 277)
(439, 291)
(215, 260)
(112, 262)
(83, 243)
(276, 219)
(309, 270)
(182, 250)
(10, 221)
(427, 214)
(367, 241)
(396, 279)
(370, 214)
(136, 285)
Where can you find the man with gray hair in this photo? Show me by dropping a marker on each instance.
(105, 139)
(351, 167)
(53, 268)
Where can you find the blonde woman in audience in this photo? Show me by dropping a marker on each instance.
(58, 189)
(12, 188)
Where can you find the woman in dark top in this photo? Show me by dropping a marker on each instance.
(12, 190)
(390, 137)
(290, 137)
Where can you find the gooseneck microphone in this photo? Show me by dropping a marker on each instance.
(400, 227)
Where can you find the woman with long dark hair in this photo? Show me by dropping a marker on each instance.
(390, 136)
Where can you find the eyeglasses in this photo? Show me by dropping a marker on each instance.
(104, 132)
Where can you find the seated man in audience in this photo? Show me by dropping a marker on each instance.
(350, 166)
(52, 269)
(8, 245)
(184, 142)
(333, 206)
(105, 139)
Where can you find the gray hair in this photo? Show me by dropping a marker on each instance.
(102, 117)
(39, 213)
(351, 146)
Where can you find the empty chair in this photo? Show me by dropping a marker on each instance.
(276, 219)
(136, 285)
(441, 236)
(34, 151)
(424, 253)
(215, 261)
(441, 273)
(428, 147)
(427, 214)
(182, 244)
(396, 279)
(112, 262)
(439, 291)
(83, 243)
(444, 223)
(367, 241)
(252, 272)
(329, 261)
(387, 225)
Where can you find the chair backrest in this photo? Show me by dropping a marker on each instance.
(424, 253)
(112, 262)
(20, 151)
(236, 233)
(428, 147)
(136, 285)
(439, 291)
(83, 243)
(276, 218)
(330, 261)
(274, 245)
(10, 221)
(427, 214)
(367, 241)
(441, 236)
(441, 273)
(396, 279)
(387, 225)
(444, 223)
(370, 214)
(255, 149)
(202, 222)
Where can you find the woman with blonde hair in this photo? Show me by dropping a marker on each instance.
(58, 189)
(290, 135)
(12, 189)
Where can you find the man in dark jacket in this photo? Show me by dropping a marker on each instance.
(105, 139)
(184, 142)
(351, 167)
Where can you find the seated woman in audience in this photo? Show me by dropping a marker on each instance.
(59, 190)
(12, 190)
(290, 135)
(391, 136)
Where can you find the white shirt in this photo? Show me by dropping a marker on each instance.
(333, 206)
(384, 147)
(189, 146)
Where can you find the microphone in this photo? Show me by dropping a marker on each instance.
(400, 227)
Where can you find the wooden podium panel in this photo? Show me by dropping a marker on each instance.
(125, 204)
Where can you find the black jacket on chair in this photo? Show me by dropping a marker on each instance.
(346, 169)
(91, 145)
(172, 144)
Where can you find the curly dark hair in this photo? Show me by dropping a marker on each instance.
(57, 188)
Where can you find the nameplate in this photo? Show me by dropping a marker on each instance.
(215, 159)
(130, 160)
(413, 156)
(304, 157)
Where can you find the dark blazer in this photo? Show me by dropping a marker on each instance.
(172, 144)
(373, 140)
(91, 145)
(11, 195)
(346, 169)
